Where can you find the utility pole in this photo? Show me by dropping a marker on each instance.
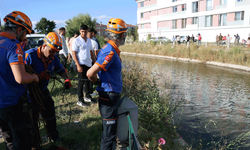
(100, 28)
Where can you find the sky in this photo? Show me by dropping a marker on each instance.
(62, 10)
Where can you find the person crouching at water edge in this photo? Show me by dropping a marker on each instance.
(108, 66)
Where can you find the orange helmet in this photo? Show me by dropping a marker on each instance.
(117, 26)
(53, 40)
(19, 18)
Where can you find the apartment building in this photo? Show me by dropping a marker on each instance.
(101, 29)
(167, 18)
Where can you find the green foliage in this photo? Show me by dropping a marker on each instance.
(2, 28)
(101, 40)
(133, 33)
(45, 26)
(155, 111)
(73, 25)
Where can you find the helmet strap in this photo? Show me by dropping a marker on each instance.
(18, 35)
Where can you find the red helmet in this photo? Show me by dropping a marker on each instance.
(53, 40)
(19, 18)
(117, 26)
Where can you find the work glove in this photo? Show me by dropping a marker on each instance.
(45, 75)
(67, 84)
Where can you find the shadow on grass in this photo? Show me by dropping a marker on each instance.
(83, 135)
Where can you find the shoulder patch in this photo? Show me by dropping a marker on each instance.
(104, 46)
(1, 41)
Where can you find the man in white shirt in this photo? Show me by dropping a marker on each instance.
(228, 41)
(63, 54)
(90, 35)
(72, 66)
(94, 50)
(81, 50)
(95, 39)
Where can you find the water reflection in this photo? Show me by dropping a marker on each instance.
(215, 99)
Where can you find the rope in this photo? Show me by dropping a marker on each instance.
(64, 97)
(37, 107)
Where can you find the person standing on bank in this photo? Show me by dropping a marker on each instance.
(16, 124)
(94, 50)
(72, 66)
(109, 66)
(95, 39)
(44, 61)
(199, 39)
(81, 50)
(64, 52)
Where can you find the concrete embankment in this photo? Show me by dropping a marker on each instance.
(239, 67)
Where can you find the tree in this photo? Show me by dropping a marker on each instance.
(133, 33)
(2, 28)
(45, 26)
(73, 25)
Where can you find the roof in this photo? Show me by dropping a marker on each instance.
(103, 25)
(130, 25)
(35, 35)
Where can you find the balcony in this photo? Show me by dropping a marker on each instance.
(164, 28)
(242, 3)
(173, 14)
(147, 7)
(221, 6)
(235, 23)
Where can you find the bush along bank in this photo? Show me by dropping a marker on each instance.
(156, 129)
(235, 55)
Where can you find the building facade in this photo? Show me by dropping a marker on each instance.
(168, 18)
(101, 29)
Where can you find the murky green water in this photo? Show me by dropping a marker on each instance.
(215, 100)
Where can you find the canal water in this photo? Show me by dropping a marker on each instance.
(215, 101)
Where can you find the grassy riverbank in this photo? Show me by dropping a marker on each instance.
(234, 55)
(84, 130)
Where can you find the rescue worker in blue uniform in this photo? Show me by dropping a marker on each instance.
(16, 124)
(44, 62)
(108, 66)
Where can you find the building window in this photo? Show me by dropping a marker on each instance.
(174, 8)
(142, 4)
(223, 20)
(97, 28)
(195, 20)
(174, 24)
(209, 21)
(240, 0)
(223, 2)
(174, 0)
(195, 6)
(183, 23)
(183, 6)
(142, 26)
(239, 16)
(142, 15)
(209, 5)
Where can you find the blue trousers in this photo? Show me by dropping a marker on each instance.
(108, 106)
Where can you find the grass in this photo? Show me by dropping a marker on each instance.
(84, 130)
(235, 55)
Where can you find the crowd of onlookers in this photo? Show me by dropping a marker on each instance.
(220, 40)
